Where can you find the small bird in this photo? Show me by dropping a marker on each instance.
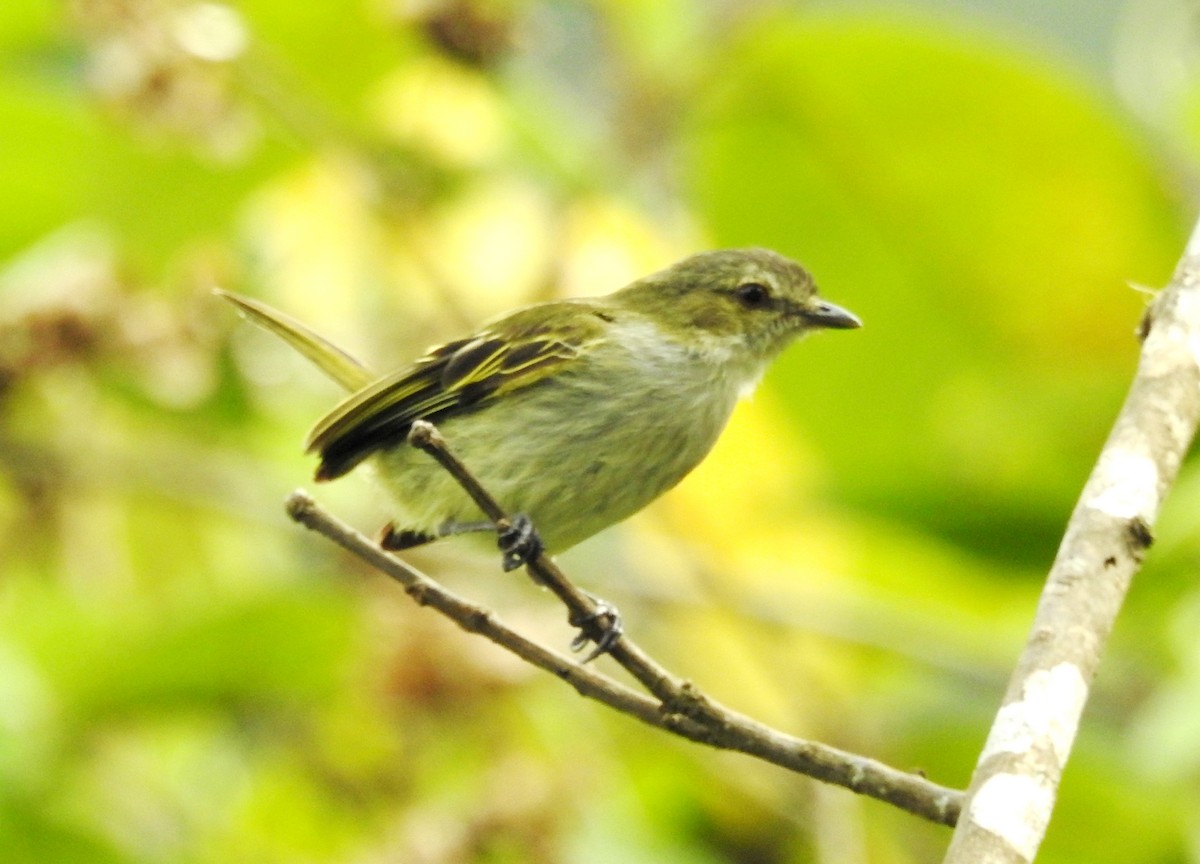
(574, 413)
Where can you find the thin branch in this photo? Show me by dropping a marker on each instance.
(582, 608)
(471, 617)
(686, 712)
(1012, 794)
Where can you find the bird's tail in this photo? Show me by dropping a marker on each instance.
(333, 361)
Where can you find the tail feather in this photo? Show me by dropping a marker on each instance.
(333, 361)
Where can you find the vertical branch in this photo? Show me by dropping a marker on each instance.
(1012, 794)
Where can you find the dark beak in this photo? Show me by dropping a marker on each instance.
(825, 314)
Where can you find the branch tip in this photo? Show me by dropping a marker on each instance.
(424, 436)
(299, 506)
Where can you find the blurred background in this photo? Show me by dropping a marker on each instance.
(187, 676)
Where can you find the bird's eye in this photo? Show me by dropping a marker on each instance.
(753, 295)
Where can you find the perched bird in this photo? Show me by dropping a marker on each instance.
(575, 413)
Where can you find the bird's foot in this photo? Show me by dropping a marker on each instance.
(519, 542)
(602, 626)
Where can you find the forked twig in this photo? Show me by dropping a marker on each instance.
(677, 705)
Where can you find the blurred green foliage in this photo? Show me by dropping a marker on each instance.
(186, 676)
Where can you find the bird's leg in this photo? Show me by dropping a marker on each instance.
(519, 541)
(450, 528)
(393, 539)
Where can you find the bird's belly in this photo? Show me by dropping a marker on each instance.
(572, 461)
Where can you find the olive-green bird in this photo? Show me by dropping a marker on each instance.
(575, 413)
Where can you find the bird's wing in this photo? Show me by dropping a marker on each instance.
(465, 375)
(323, 354)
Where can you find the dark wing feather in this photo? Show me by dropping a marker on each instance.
(452, 379)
